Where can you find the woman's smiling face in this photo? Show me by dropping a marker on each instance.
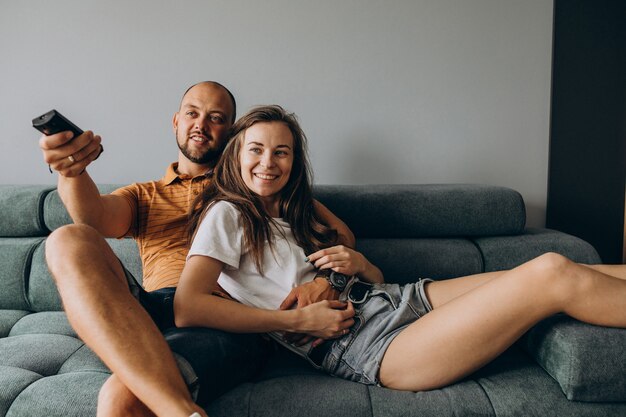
(266, 159)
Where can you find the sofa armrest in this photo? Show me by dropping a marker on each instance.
(588, 362)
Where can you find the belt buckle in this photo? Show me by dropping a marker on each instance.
(358, 292)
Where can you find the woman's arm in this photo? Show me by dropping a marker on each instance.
(319, 289)
(194, 305)
(346, 261)
(344, 234)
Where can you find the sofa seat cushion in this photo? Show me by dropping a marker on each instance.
(8, 318)
(319, 395)
(50, 322)
(518, 387)
(12, 382)
(67, 395)
(465, 398)
(589, 362)
(47, 374)
(40, 353)
(290, 386)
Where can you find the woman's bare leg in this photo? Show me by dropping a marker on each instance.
(472, 328)
(617, 271)
(449, 289)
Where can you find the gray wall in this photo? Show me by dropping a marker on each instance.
(406, 91)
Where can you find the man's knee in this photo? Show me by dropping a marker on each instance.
(67, 239)
(70, 246)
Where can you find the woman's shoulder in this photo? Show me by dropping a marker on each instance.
(222, 209)
(223, 205)
(221, 215)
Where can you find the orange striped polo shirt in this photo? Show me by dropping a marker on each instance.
(160, 210)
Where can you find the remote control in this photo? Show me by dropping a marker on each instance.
(54, 122)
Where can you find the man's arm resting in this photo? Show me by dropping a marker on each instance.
(311, 292)
(344, 234)
(308, 293)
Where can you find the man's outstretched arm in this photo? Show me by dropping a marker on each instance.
(69, 156)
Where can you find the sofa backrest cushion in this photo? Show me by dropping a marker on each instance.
(421, 210)
(405, 260)
(16, 258)
(54, 213)
(26, 282)
(22, 210)
(399, 211)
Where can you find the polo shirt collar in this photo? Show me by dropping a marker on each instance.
(171, 175)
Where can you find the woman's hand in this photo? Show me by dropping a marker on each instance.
(327, 319)
(340, 259)
(346, 261)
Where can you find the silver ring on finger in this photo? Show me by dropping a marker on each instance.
(71, 158)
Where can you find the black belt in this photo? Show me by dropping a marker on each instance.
(357, 295)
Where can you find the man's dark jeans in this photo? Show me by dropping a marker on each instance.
(221, 360)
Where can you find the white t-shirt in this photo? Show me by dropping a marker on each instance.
(220, 236)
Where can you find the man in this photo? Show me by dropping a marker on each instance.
(118, 319)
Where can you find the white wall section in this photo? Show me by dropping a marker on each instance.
(404, 91)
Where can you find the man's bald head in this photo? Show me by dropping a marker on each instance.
(218, 86)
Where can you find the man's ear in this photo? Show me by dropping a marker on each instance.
(175, 122)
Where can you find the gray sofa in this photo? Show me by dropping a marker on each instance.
(560, 368)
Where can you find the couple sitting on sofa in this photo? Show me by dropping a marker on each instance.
(261, 245)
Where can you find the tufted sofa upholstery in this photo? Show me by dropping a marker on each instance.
(560, 368)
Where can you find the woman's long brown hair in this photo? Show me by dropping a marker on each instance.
(296, 197)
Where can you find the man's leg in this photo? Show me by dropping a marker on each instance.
(117, 400)
(101, 309)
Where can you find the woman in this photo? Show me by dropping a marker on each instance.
(254, 226)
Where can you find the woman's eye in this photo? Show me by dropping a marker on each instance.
(255, 150)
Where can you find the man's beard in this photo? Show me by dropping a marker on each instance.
(210, 155)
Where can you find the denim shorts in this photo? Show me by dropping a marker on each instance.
(385, 312)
